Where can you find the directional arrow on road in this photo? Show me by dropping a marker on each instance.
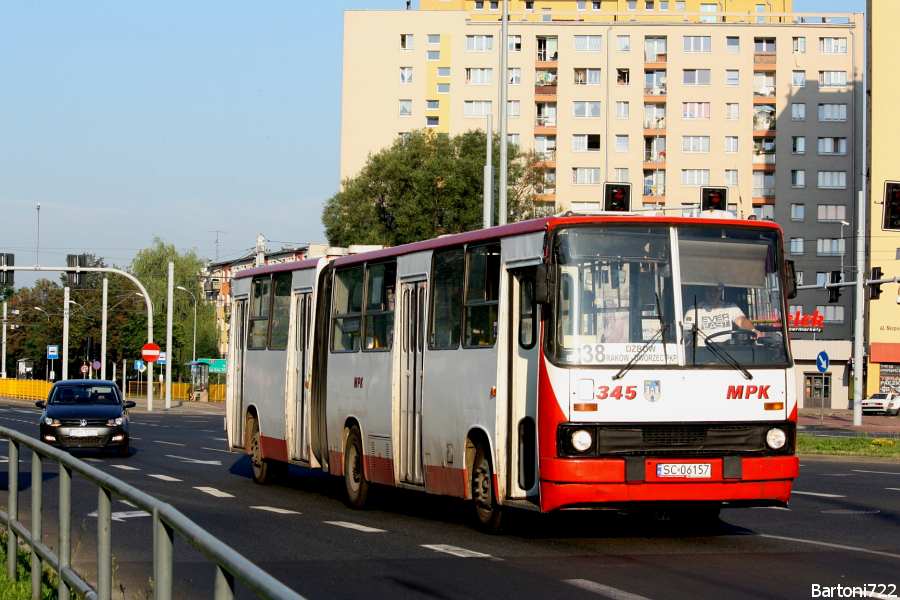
(121, 516)
(196, 461)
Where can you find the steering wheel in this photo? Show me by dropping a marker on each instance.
(739, 337)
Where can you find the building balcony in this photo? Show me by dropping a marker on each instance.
(545, 56)
(654, 190)
(548, 155)
(763, 158)
(655, 90)
(651, 157)
(764, 91)
(545, 189)
(545, 122)
(546, 89)
(764, 123)
(763, 192)
(655, 123)
(764, 58)
(655, 57)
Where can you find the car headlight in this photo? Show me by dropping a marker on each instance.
(582, 440)
(51, 422)
(116, 421)
(775, 438)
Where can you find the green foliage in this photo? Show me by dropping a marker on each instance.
(847, 446)
(21, 588)
(424, 186)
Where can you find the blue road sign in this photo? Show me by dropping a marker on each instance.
(138, 365)
(822, 361)
(52, 352)
(162, 358)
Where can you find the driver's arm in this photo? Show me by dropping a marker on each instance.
(745, 323)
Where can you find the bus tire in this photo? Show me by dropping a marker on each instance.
(263, 473)
(354, 475)
(487, 511)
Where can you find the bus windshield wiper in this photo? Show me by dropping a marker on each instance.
(659, 334)
(662, 328)
(719, 352)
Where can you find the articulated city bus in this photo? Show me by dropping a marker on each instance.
(573, 361)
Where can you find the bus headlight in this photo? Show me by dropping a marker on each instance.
(582, 440)
(775, 438)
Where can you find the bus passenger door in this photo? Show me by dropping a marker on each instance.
(300, 441)
(238, 343)
(412, 346)
(524, 356)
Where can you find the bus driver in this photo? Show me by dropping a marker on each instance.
(715, 316)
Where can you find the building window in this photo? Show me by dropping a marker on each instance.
(679, 4)
(479, 76)
(515, 76)
(406, 41)
(764, 212)
(477, 108)
(797, 212)
(596, 5)
(587, 77)
(731, 177)
(796, 245)
(443, 72)
(620, 175)
(798, 145)
(832, 180)
(479, 5)
(585, 176)
(831, 313)
(829, 45)
(832, 79)
(763, 184)
(443, 88)
(515, 43)
(631, 5)
(799, 45)
(732, 77)
(581, 5)
(588, 142)
(764, 45)
(798, 111)
(832, 146)
(405, 75)
(830, 246)
(708, 8)
(514, 139)
(731, 144)
(833, 112)
(588, 43)
(513, 109)
(695, 110)
(623, 43)
(732, 111)
(693, 144)
(406, 108)
(798, 178)
(586, 110)
(798, 79)
(694, 177)
(432, 121)
(433, 55)
(732, 45)
(432, 104)
(648, 5)
(832, 213)
(697, 43)
(495, 4)
(622, 110)
(696, 77)
(479, 43)
(623, 76)
(434, 39)
(621, 143)
(663, 5)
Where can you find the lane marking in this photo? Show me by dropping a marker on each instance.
(280, 511)
(123, 501)
(125, 467)
(134, 438)
(817, 494)
(773, 507)
(169, 443)
(216, 450)
(828, 545)
(836, 474)
(195, 461)
(456, 551)
(214, 492)
(603, 590)
(876, 472)
(209, 431)
(219, 439)
(355, 526)
(163, 477)
(122, 515)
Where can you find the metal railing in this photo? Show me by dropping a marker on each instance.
(166, 522)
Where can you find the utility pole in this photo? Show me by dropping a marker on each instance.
(3, 366)
(504, 111)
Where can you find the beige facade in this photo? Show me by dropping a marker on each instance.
(884, 245)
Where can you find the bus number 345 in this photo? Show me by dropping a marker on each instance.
(603, 392)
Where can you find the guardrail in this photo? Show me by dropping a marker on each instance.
(29, 389)
(166, 522)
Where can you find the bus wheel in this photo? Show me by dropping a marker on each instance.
(354, 477)
(487, 511)
(263, 472)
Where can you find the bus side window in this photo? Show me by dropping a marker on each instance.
(527, 314)
(446, 300)
(379, 316)
(281, 310)
(260, 304)
(348, 296)
(482, 295)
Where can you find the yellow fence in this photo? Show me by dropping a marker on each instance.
(24, 388)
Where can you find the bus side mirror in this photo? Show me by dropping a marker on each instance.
(543, 285)
(790, 279)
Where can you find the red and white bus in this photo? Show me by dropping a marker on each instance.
(567, 362)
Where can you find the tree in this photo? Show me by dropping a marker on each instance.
(426, 185)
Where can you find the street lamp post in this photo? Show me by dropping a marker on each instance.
(46, 364)
(194, 351)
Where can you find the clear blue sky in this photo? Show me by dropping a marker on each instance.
(128, 120)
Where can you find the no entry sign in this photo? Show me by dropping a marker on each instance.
(150, 352)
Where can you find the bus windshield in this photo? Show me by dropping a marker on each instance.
(664, 295)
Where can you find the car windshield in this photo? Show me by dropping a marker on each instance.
(84, 394)
(878, 396)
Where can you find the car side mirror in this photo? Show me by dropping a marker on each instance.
(130, 404)
(40, 404)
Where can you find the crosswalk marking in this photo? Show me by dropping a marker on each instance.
(818, 494)
(214, 492)
(280, 511)
(603, 590)
(456, 551)
(163, 477)
(355, 526)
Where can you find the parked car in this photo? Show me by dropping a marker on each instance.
(886, 402)
(84, 414)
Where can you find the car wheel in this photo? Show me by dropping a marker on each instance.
(354, 477)
(125, 449)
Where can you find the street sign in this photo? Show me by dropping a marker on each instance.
(150, 352)
(138, 365)
(822, 361)
(162, 358)
(52, 352)
(85, 369)
(96, 365)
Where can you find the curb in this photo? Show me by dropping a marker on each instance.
(885, 460)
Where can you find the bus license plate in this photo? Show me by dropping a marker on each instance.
(692, 471)
(82, 432)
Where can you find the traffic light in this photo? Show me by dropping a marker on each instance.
(713, 198)
(7, 277)
(891, 206)
(875, 288)
(834, 293)
(617, 197)
(89, 347)
(76, 280)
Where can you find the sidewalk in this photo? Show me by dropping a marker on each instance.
(811, 420)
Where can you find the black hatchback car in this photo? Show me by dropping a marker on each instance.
(84, 414)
